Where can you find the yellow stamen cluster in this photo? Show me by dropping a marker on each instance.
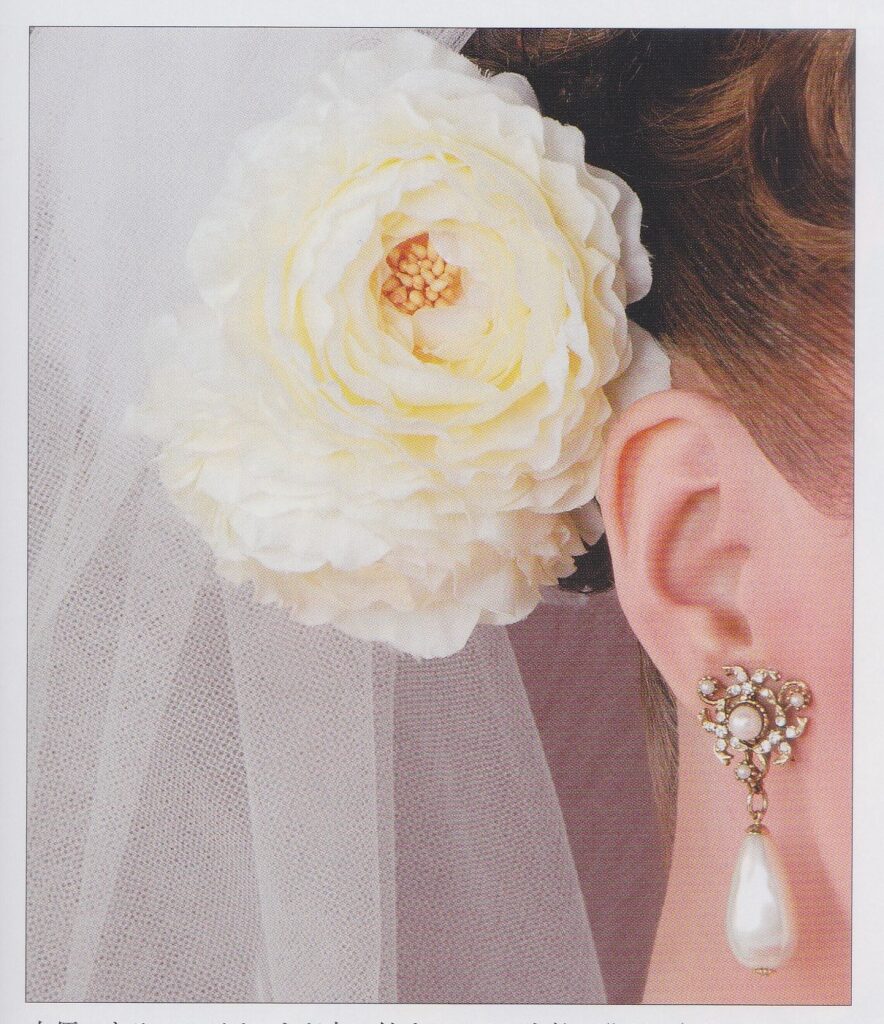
(420, 277)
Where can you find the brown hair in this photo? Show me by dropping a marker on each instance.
(740, 147)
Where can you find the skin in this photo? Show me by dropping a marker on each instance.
(718, 561)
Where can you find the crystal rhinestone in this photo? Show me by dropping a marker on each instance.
(740, 674)
(796, 700)
(775, 737)
(734, 691)
(758, 677)
(766, 693)
(721, 744)
(785, 748)
(709, 726)
(791, 732)
(747, 688)
(743, 771)
(720, 730)
(721, 717)
(780, 720)
(765, 746)
(707, 688)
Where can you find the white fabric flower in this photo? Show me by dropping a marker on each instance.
(402, 471)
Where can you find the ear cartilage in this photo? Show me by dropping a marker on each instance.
(756, 721)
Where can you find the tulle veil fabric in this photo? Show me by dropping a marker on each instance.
(224, 805)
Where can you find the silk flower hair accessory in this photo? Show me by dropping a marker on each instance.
(389, 409)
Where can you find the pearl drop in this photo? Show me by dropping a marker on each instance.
(745, 722)
(760, 918)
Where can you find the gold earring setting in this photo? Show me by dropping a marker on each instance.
(756, 721)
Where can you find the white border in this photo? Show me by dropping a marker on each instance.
(15, 16)
(597, 13)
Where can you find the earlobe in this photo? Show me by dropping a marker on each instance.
(669, 492)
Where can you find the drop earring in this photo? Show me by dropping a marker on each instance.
(756, 720)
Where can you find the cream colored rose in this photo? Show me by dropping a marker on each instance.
(394, 396)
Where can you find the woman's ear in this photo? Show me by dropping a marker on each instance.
(679, 494)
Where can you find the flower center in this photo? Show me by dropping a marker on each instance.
(419, 277)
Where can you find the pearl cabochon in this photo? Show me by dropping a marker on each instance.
(745, 722)
(760, 915)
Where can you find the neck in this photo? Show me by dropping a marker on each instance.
(691, 961)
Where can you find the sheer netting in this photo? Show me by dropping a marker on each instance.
(224, 805)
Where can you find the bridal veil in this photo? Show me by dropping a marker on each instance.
(225, 805)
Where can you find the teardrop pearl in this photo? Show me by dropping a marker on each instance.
(760, 917)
